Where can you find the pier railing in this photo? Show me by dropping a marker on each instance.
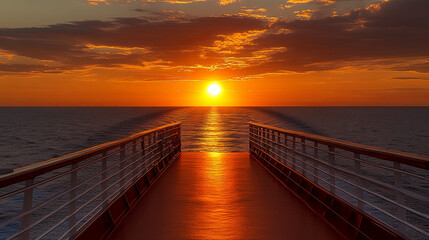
(56, 198)
(388, 185)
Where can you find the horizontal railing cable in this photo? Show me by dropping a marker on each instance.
(82, 194)
(338, 168)
(121, 163)
(369, 204)
(360, 199)
(372, 180)
(89, 201)
(349, 157)
(349, 172)
(99, 205)
(68, 191)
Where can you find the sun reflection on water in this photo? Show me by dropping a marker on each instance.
(213, 130)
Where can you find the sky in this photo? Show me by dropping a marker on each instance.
(261, 52)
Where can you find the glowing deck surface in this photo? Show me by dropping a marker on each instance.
(220, 196)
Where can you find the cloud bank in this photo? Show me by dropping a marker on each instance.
(237, 45)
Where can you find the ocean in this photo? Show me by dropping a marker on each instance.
(33, 134)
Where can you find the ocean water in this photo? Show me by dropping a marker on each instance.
(33, 134)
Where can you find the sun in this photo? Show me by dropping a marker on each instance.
(214, 89)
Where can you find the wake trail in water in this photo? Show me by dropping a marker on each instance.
(299, 124)
(127, 127)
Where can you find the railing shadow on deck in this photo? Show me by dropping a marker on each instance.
(349, 184)
(58, 198)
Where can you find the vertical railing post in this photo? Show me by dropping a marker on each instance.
(359, 191)
(134, 159)
(401, 214)
(121, 166)
(304, 158)
(262, 136)
(250, 137)
(142, 155)
(331, 169)
(278, 144)
(161, 144)
(282, 147)
(294, 153)
(27, 204)
(103, 178)
(154, 140)
(149, 150)
(180, 137)
(286, 150)
(72, 201)
(316, 163)
(270, 142)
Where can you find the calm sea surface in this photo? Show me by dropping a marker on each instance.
(29, 135)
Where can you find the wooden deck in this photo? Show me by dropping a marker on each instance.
(220, 196)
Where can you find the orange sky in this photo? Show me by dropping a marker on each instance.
(276, 53)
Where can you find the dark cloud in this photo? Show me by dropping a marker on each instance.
(408, 78)
(420, 67)
(393, 30)
(413, 90)
(168, 40)
(25, 68)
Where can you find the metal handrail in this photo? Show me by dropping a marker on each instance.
(368, 203)
(355, 185)
(415, 160)
(326, 162)
(34, 170)
(70, 185)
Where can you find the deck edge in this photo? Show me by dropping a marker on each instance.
(339, 214)
(104, 223)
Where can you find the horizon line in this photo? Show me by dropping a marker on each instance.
(218, 106)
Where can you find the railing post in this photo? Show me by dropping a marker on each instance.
(27, 204)
(316, 163)
(134, 159)
(180, 137)
(142, 155)
(149, 149)
(293, 153)
(154, 140)
(331, 169)
(401, 214)
(304, 158)
(273, 144)
(72, 202)
(282, 149)
(122, 165)
(103, 178)
(286, 149)
(161, 144)
(250, 137)
(263, 144)
(359, 191)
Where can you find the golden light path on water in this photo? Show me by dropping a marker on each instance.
(213, 131)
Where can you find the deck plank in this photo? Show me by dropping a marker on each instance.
(220, 196)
